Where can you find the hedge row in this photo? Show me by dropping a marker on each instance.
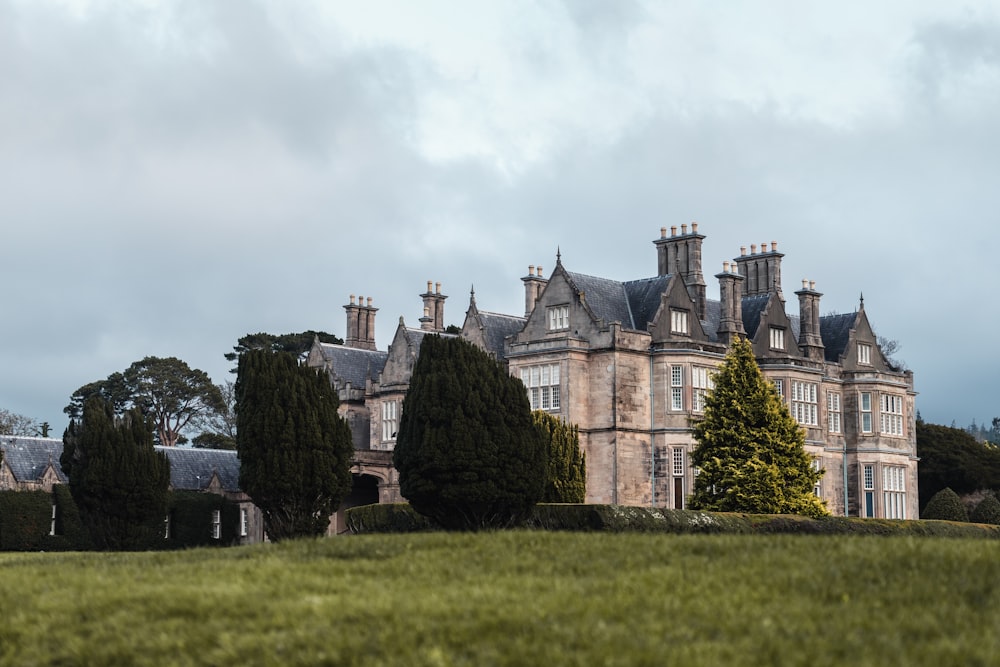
(401, 518)
(26, 521)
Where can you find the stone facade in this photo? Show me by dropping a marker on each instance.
(630, 362)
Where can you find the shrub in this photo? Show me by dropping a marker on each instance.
(946, 506)
(987, 511)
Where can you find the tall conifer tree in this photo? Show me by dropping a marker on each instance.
(566, 481)
(117, 479)
(467, 452)
(295, 451)
(751, 452)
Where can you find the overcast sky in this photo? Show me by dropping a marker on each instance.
(174, 175)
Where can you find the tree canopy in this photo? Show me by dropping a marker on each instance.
(117, 479)
(751, 452)
(167, 390)
(12, 423)
(219, 426)
(566, 478)
(297, 344)
(467, 452)
(951, 457)
(295, 451)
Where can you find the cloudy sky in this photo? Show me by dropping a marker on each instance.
(174, 175)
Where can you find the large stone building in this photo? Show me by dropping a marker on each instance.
(630, 363)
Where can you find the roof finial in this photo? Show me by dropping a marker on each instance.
(472, 293)
(558, 255)
(862, 299)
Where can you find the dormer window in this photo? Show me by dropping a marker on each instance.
(679, 322)
(558, 318)
(865, 354)
(777, 338)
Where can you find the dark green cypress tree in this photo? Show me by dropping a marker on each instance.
(295, 451)
(467, 452)
(118, 480)
(945, 505)
(750, 450)
(566, 481)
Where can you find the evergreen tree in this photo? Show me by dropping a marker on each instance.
(946, 506)
(987, 511)
(566, 481)
(295, 451)
(117, 479)
(750, 450)
(467, 451)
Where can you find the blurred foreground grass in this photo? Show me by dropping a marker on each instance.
(511, 598)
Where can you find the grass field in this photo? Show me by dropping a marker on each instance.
(512, 598)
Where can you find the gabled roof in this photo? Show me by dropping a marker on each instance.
(836, 333)
(713, 314)
(633, 303)
(753, 306)
(29, 457)
(416, 336)
(354, 365)
(496, 328)
(191, 469)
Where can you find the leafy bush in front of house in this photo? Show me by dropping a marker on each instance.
(468, 454)
(987, 511)
(945, 506)
(191, 518)
(386, 518)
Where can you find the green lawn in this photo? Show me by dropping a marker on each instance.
(512, 598)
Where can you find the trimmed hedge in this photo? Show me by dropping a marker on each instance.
(191, 520)
(987, 511)
(945, 505)
(399, 518)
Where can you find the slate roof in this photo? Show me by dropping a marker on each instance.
(354, 365)
(633, 303)
(496, 328)
(191, 469)
(836, 331)
(29, 457)
(753, 306)
(416, 336)
(713, 313)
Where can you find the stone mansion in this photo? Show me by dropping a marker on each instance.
(630, 363)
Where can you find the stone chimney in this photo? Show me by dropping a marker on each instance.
(810, 340)
(762, 270)
(534, 283)
(730, 304)
(681, 254)
(433, 308)
(360, 324)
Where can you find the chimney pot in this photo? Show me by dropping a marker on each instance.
(673, 230)
(684, 229)
(539, 272)
(805, 284)
(725, 267)
(427, 311)
(753, 248)
(763, 247)
(663, 232)
(743, 251)
(774, 246)
(694, 227)
(369, 302)
(531, 269)
(812, 285)
(429, 285)
(352, 299)
(437, 288)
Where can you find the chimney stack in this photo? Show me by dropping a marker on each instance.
(682, 255)
(534, 283)
(762, 270)
(730, 304)
(433, 307)
(360, 324)
(810, 338)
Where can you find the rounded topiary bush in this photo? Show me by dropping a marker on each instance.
(945, 505)
(987, 511)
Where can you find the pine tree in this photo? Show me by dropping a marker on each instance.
(751, 452)
(566, 481)
(117, 479)
(295, 451)
(945, 505)
(467, 452)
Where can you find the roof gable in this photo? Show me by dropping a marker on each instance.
(28, 459)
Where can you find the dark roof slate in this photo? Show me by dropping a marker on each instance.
(497, 327)
(753, 306)
(191, 469)
(350, 364)
(29, 457)
(835, 331)
(633, 303)
(644, 299)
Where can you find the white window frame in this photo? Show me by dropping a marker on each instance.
(390, 423)
(777, 338)
(865, 354)
(677, 462)
(558, 317)
(701, 383)
(542, 384)
(677, 388)
(817, 466)
(891, 414)
(865, 412)
(868, 508)
(779, 386)
(52, 526)
(216, 524)
(166, 526)
(833, 412)
(679, 321)
(244, 522)
(804, 403)
(894, 492)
